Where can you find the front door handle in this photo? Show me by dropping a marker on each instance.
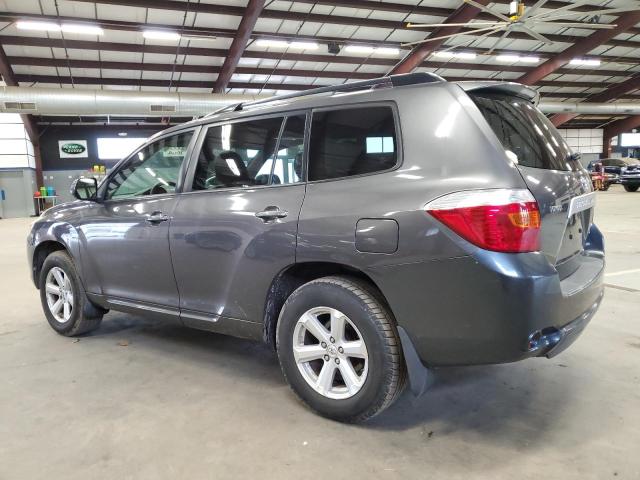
(271, 213)
(157, 217)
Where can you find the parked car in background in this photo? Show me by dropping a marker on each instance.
(364, 231)
(630, 175)
(613, 166)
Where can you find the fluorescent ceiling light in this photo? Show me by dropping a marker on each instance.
(304, 45)
(465, 55)
(517, 58)
(359, 49)
(161, 35)
(508, 58)
(387, 51)
(585, 61)
(265, 42)
(44, 26)
(272, 43)
(83, 29)
(369, 50)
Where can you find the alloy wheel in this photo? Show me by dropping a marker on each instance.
(59, 294)
(330, 353)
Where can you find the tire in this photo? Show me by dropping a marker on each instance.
(605, 187)
(379, 370)
(631, 188)
(83, 316)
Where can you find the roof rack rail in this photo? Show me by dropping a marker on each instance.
(231, 106)
(390, 81)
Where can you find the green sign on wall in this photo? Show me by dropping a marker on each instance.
(73, 148)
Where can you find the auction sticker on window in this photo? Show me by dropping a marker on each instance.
(174, 152)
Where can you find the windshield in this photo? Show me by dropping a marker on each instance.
(528, 137)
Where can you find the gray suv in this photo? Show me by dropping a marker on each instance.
(366, 232)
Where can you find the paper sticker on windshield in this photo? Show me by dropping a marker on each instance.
(174, 151)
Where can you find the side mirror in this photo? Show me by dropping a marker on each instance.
(84, 188)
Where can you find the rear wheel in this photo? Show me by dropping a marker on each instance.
(64, 301)
(631, 188)
(339, 349)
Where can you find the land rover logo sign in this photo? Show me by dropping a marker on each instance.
(73, 149)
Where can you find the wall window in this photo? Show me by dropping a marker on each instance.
(237, 154)
(380, 145)
(153, 170)
(116, 148)
(352, 141)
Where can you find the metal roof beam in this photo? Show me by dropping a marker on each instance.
(419, 53)
(616, 128)
(220, 9)
(163, 67)
(623, 23)
(249, 18)
(613, 92)
(56, 79)
(433, 11)
(219, 52)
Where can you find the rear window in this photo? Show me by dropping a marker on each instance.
(352, 141)
(529, 138)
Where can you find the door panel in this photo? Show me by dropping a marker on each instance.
(129, 254)
(237, 230)
(224, 256)
(127, 239)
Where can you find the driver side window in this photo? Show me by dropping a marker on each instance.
(154, 170)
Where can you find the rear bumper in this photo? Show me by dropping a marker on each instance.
(489, 307)
(552, 341)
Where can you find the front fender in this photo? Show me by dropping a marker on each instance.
(60, 225)
(43, 234)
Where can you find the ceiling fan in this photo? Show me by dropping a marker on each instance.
(524, 19)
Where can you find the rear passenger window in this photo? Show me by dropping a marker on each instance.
(352, 141)
(237, 154)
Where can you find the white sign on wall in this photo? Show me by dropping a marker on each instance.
(73, 149)
(630, 140)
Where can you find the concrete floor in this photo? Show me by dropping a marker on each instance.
(145, 401)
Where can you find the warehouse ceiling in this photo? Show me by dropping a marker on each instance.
(279, 46)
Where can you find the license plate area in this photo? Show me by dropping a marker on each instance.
(578, 221)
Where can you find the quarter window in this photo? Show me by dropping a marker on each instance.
(153, 170)
(287, 164)
(352, 141)
(237, 154)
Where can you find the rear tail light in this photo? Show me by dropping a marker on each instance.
(500, 220)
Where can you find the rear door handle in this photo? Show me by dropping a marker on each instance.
(271, 213)
(157, 217)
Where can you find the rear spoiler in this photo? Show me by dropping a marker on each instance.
(511, 88)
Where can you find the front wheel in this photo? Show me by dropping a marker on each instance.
(64, 301)
(339, 349)
(631, 188)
